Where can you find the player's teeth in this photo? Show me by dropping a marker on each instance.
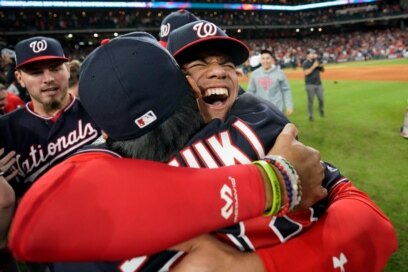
(217, 91)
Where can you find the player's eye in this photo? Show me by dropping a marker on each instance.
(229, 65)
(196, 64)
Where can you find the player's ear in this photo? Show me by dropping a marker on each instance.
(194, 86)
(104, 135)
(17, 73)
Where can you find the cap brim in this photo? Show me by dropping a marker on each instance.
(233, 47)
(41, 58)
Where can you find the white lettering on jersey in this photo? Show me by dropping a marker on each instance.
(189, 158)
(205, 155)
(228, 153)
(220, 146)
(251, 137)
(60, 147)
(132, 264)
(340, 262)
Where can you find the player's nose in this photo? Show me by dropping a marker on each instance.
(216, 69)
(48, 75)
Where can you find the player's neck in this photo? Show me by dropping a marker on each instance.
(46, 112)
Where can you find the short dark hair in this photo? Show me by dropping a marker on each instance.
(266, 51)
(164, 141)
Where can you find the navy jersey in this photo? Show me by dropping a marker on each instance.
(249, 132)
(41, 142)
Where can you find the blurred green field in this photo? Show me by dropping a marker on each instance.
(360, 135)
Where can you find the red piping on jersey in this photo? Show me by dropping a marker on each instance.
(30, 109)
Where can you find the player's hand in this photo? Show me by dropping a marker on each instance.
(306, 161)
(289, 112)
(6, 162)
(207, 254)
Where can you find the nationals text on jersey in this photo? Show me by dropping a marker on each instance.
(54, 150)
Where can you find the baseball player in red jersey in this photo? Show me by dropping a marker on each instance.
(131, 265)
(52, 126)
(118, 50)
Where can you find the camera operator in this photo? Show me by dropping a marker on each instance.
(312, 67)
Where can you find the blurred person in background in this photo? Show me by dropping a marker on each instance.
(8, 60)
(312, 67)
(74, 66)
(404, 127)
(3, 95)
(8, 100)
(270, 83)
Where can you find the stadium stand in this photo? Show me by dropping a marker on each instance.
(340, 33)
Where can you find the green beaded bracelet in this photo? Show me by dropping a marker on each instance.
(275, 185)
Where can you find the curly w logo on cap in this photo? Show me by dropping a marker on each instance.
(186, 40)
(38, 49)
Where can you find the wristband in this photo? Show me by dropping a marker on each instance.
(275, 186)
(292, 182)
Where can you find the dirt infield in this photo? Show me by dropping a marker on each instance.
(341, 72)
(396, 72)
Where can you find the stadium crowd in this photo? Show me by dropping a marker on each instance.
(60, 19)
(350, 46)
(288, 34)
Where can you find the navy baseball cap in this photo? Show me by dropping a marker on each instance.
(173, 21)
(37, 49)
(130, 85)
(203, 35)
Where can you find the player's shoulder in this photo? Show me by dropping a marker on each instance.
(94, 151)
(256, 110)
(249, 102)
(14, 117)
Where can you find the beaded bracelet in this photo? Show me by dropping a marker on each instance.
(292, 182)
(275, 185)
(286, 178)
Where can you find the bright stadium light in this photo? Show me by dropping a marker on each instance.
(174, 5)
(96, 35)
(311, 29)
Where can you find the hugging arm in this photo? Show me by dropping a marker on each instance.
(352, 235)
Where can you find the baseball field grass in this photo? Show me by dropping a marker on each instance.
(360, 135)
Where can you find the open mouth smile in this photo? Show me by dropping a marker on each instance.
(215, 96)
